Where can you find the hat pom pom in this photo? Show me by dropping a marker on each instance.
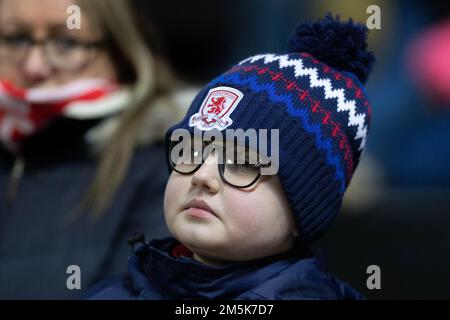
(341, 45)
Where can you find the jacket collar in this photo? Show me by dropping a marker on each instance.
(157, 274)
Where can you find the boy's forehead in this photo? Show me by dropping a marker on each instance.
(223, 142)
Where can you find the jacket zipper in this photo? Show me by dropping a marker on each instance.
(14, 178)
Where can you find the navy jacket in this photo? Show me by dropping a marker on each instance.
(154, 273)
(38, 241)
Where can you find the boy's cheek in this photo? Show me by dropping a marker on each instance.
(243, 214)
(172, 184)
(170, 194)
(176, 189)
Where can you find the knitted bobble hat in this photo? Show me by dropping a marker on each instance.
(314, 95)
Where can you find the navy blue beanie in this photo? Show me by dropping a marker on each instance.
(314, 95)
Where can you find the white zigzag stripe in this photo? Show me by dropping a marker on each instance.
(354, 119)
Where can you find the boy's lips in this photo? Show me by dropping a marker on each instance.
(199, 208)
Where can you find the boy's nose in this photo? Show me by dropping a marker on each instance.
(35, 66)
(207, 176)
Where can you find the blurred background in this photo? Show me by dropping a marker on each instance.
(397, 210)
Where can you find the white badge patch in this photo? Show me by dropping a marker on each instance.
(216, 109)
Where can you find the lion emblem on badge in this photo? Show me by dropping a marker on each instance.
(216, 109)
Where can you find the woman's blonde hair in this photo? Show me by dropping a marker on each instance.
(120, 23)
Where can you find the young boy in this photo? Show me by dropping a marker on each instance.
(241, 231)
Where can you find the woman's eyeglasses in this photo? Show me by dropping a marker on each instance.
(61, 52)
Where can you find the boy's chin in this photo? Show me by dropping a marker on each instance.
(199, 238)
(203, 245)
(198, 234)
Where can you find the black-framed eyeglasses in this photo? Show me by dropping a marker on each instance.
(240, 168)
(61, 52)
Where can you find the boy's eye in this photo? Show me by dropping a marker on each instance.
(242, 156)
(188, 155)
(185, 156)
(241, 175)
(196, 155)
(241, 166)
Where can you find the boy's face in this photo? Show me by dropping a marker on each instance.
(219, 222)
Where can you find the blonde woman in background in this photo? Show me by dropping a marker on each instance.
(82, 116)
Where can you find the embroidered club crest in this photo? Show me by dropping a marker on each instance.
(216, 109)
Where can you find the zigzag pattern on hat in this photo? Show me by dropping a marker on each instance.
(322, 143)
(354, 118)
(303, 97)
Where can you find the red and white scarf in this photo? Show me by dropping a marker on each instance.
(24, 112)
